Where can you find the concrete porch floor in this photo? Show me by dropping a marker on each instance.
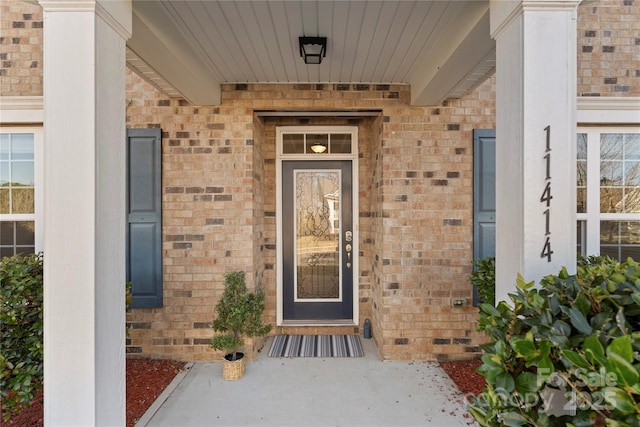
(305, 392)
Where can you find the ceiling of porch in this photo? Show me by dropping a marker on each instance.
(188, 48)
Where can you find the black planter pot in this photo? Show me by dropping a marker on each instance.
(229, 357)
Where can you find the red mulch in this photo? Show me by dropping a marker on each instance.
(464, 374)
(146, 379)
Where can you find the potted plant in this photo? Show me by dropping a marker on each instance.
(239, 315)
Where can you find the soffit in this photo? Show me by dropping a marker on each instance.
(442, 48)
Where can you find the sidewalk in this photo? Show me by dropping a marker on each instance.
(312, 392)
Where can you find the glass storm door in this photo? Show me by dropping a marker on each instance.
(317, 240)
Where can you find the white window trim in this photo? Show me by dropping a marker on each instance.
(25, 114)
(609, 111)
(596, 115)
(21, 110)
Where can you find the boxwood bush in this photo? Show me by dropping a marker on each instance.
(565, 352)
(21, 352)
(483, 279)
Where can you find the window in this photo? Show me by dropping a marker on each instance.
(608, 192)
(19, 195)
(302, 142)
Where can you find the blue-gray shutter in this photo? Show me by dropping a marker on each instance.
(484, 195)
(144, 217)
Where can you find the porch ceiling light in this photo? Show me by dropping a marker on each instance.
(318, 148)
(313, 49)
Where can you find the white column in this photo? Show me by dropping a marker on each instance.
(535, 139)
(84, 253)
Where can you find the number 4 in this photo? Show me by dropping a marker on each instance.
(546, 250)
(546, 194)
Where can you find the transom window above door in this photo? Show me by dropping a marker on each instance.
(317, 144)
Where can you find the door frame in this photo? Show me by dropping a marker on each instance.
(353, 158)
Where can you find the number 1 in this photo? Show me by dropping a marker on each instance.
(548, 131)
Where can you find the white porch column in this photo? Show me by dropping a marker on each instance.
(84, 198)
(535, 139)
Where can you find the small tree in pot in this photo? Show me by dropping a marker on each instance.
(239, 315)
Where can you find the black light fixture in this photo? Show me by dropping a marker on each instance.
(313, 49)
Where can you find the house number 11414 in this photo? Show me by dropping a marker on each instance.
(546, 197)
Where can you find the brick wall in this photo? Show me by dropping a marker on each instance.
(380, 314)
(219, 195)
(212, 218)
(609, 48)
(20, 49)
(425, 205)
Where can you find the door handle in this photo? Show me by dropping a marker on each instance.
(348, 248)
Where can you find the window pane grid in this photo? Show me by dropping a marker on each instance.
(619, 173)
(608, 192)
(17, 237)
(581, 237)
(17, 193)
(581, 173)
(620, 239)
(17, 181)
(316, 143)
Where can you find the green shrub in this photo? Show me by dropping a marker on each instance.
(21, 352)
(239, 314)
(565, 353)
(483, 279)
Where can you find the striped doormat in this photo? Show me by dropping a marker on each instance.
(316, 346)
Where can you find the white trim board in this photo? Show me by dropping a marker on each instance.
(608, 110)
(21, 110)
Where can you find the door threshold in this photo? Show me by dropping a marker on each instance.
(319, 322)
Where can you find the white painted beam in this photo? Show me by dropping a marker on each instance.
(465, 46)
(158, 43)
